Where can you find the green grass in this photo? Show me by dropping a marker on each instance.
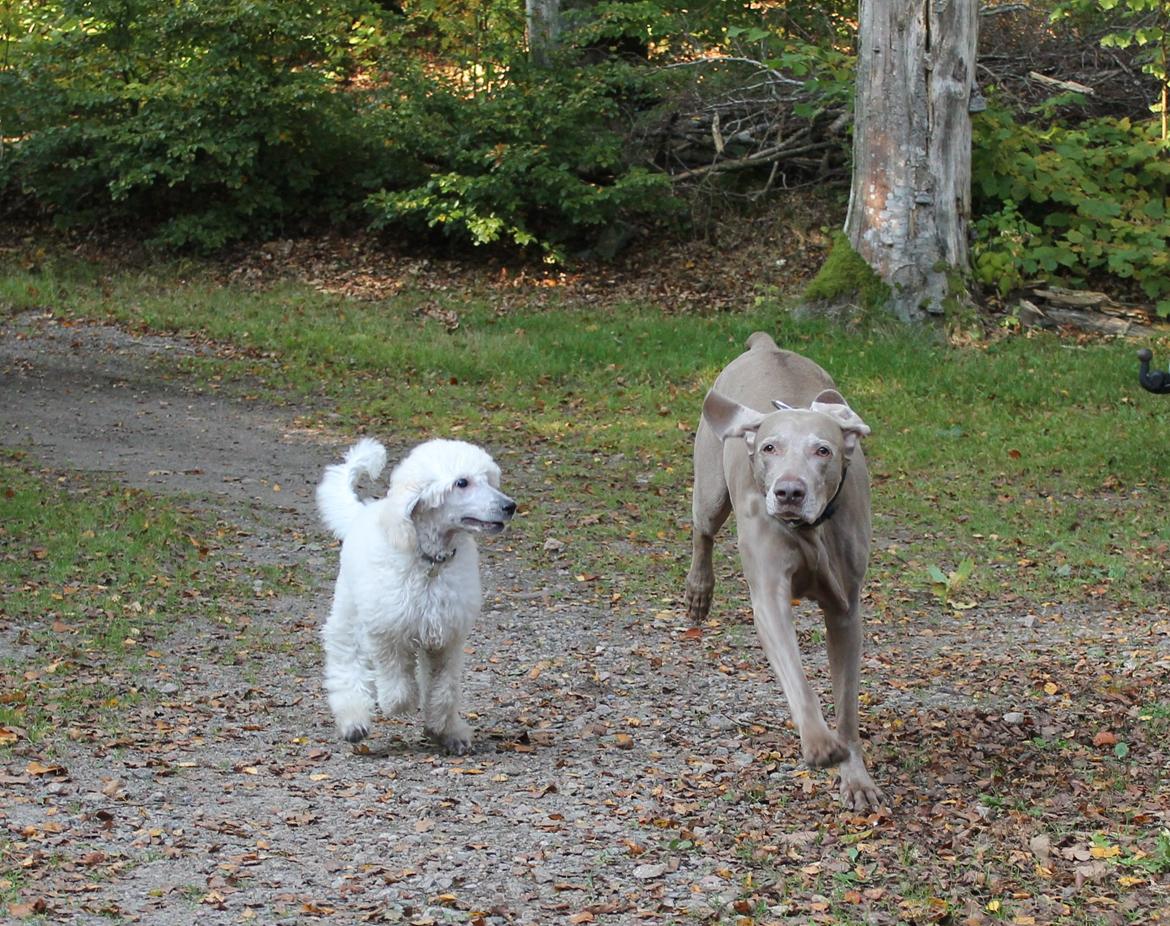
(1037, 458)
(94, 576)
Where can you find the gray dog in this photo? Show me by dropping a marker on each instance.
(778, 444)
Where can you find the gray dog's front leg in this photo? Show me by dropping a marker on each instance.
(843, 639)
(772, 608)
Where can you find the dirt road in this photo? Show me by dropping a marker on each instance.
(629, 769)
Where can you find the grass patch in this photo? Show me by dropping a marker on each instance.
(1029, 457)
(94, 577)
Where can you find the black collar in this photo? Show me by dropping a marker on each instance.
(437, 562)
(829, 510)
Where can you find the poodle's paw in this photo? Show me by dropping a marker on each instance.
(456, 740)
(351, 712)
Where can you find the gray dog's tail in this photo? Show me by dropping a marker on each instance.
(337, 498)
(761, 340)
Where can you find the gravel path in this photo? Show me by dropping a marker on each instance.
(629, 769)
(232, 799)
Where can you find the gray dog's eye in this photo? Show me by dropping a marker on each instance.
(461, 484)
(768, 448)
(823, 451)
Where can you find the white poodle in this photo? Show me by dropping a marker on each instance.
(408, 589)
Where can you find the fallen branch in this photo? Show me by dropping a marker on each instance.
(1070, 85)
(772, 156)
(1033, 316)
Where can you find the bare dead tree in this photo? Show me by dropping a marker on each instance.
(910, 200)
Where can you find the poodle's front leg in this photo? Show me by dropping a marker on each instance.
(394, 676)
(347, 679)
(443, 698)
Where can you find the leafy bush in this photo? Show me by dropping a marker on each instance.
(536, 162)
(204, 120)
(1073, 202)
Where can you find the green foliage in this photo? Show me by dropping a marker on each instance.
(538, 162)
(1071, 202)
(1141, 24)
(205, 120)
(946, 584)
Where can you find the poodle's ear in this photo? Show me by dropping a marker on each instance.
(429, 496)
(408, 500)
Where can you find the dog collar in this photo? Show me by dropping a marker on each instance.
(829, 510)
(437, 562)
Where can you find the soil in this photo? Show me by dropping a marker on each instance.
(629, 768)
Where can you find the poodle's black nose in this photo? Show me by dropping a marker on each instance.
(509, 508)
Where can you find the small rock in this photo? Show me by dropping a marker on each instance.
(646, 872)
(1014, 718)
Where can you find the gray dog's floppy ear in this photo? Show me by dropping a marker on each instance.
(832, 403)
(730, 419)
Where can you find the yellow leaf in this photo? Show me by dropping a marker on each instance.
(1050, 688)
(993, 906)
(1105, 851)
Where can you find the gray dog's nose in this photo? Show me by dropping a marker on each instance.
(509, 508)
(789, 490)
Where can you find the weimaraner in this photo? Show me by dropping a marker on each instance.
(778, 444)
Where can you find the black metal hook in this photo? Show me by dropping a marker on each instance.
(1156, 381)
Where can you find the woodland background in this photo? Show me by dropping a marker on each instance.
(202, 123)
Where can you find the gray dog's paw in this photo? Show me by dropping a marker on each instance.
(697, 602)
(825, 753)
(859, 793)
(356, 733)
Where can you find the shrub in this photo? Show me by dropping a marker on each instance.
(1073, 203)
(203, 120)
(536, 162)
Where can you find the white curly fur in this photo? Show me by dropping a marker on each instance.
(408, 589)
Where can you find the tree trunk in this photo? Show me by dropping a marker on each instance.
(543, 22)
(910, 201)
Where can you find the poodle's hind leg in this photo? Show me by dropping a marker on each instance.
(347, 679)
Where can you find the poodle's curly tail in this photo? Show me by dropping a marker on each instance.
(337, 499)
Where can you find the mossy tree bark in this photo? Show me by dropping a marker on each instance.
(910, 202)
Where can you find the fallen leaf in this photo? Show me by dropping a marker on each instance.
(40, 768)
